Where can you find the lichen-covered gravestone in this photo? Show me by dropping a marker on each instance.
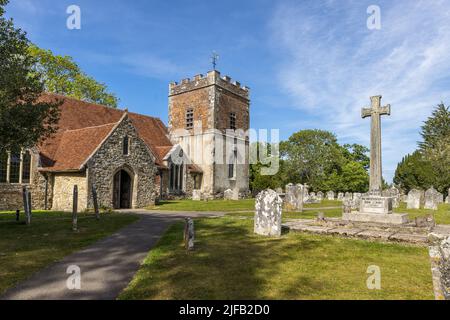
(447, 200)
(305, 193)
(320, 196)
(196, 195)
(432, 199)
(268, 213)
(439, 250)
(356, 200)
(293, 198)
(228, 194)
(330, 195)
(415, 199)
(340, 196)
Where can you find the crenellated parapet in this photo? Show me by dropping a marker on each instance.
(212, 78)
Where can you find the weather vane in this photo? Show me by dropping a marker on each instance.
(214, 59)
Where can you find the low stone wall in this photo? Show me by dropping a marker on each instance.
(11, 197)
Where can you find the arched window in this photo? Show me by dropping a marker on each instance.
(3, 167)
(26, 167)
(126, 146)
(14, 168)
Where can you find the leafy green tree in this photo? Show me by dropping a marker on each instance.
(63, 76)
(414, 171)
(24, 119)
(354, 177)
(435, 146)
(358, 153)
(310, 156)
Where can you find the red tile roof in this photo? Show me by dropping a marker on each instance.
(82, 128)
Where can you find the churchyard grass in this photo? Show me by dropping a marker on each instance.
(309, 214)
(27, 249)
(224, 205)
(230, 262)
(442, 215)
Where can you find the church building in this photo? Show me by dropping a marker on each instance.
(132, 159)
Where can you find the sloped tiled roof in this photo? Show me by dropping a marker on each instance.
(82, 128)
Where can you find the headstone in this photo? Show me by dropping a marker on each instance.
(320, 196)
(330, 195)
(293, 198)
(268, 213)
(228, 194)
(415, 199)
(348, 196)
(305, 193)
(439, 251)
(189, 234)
(235, 194)
(75, 208)
(95, 199)
(447, 200)
(27, 205)
(196, 195)
(340, 196)
(432, 199)
(279, 190)
(347, 206)
(356, 202)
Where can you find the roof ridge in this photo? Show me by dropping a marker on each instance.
(91, 127)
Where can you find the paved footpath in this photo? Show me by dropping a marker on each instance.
(107, 266)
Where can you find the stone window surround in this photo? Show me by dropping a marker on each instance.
(126, 152)
(177, 177)
(8, 169)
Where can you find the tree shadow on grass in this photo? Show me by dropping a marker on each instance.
(229, 262)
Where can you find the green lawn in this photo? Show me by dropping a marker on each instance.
(224, 205)
(442, 215)
(230, 262)
(27, 249)
(310, 214)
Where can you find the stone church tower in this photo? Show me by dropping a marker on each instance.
(209, 119)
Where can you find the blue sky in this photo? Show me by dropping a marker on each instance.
(309, 64)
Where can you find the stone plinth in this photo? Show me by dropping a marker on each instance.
(394, 218)
(376, 204)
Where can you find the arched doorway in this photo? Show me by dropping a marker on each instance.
(122, 190)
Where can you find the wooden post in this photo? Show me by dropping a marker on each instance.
(94, 197)
(17, 215)
(75, 209)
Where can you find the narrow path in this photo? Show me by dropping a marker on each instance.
(106, 267)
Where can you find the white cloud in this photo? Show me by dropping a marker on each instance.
(330, 64)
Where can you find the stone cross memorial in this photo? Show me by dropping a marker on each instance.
(268, 213)
(373, 206)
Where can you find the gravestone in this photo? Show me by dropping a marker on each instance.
(95, 200)
(447, 200)
(415, 199)
(340, 196)
(189, 234)
(439, 251)
(330, 195)
(279, 190)
(374, 207)
(228, 194)
(196, 195)
(235, 194)
(348, 196)
(356, 202)
(305, 193)
(293, 198)
(75, 208)
(320, 196)
(268, 210)
(432, 199)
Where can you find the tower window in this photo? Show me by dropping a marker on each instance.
(126, 145)
(189, 118)
(232, 121)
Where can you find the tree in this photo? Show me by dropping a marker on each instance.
(414, 171)
(311, 156)
(63, 76)
(435, 146)
(24, 120)
(358, 153)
